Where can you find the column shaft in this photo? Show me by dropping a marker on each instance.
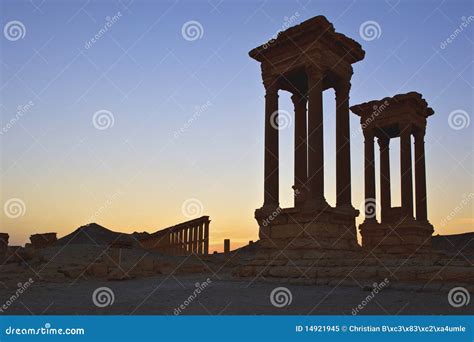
(301, 149)
(369, 177)
(200, 239)
(315, 137)
(271, 148)
(206, 238)
(343, 147)
(420, 177)
(406, 172)
(385, 193)
(185, 240)
(195, 239)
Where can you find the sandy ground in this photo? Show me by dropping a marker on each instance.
(162, 295)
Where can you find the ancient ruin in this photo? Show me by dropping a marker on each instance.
(43, 240)
(306, 60)
(182, 239)
(313, 242)
(399, 231)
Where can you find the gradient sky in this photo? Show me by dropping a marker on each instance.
(162, 150)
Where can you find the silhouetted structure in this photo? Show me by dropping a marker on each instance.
(306, 60)
(226, 246)
(3, 246)
(182, 239)
(44, 240)
(400, 116)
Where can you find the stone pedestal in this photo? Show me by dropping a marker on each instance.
(406, 238)
(293, 240)
(307, 229)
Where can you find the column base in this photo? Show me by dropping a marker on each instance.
(307, 228)
(403, 237)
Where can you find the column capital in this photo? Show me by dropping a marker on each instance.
(298, 98)
(342, 88)
(419, 135)
(271, 84)
(383, 142)
(406, 128)
(369, 134)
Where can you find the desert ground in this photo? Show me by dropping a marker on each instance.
(62, 280)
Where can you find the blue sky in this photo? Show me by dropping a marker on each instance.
(151, 79)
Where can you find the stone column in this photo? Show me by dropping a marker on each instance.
(206, 237)
(315, 137)
(385, 193)
(200, 239)
(369, 177)
(226, 246)
(181, 241)
(301, 149)
(343, 146)
(195, 239)
(406, 171)
(185, 240)
(420, 177)
(271, 185)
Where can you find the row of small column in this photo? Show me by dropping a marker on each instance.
(405, 171)
(309, 143)
(187, 240)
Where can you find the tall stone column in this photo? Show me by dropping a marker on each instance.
(195, 239)
(301, 149)
(369, 177)
(185, 240)
(420, 177)
(206, 238)
(406, 171)
(385, 193)
(271, 183)
(200, 239)
(315, 137)
(343, 146)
